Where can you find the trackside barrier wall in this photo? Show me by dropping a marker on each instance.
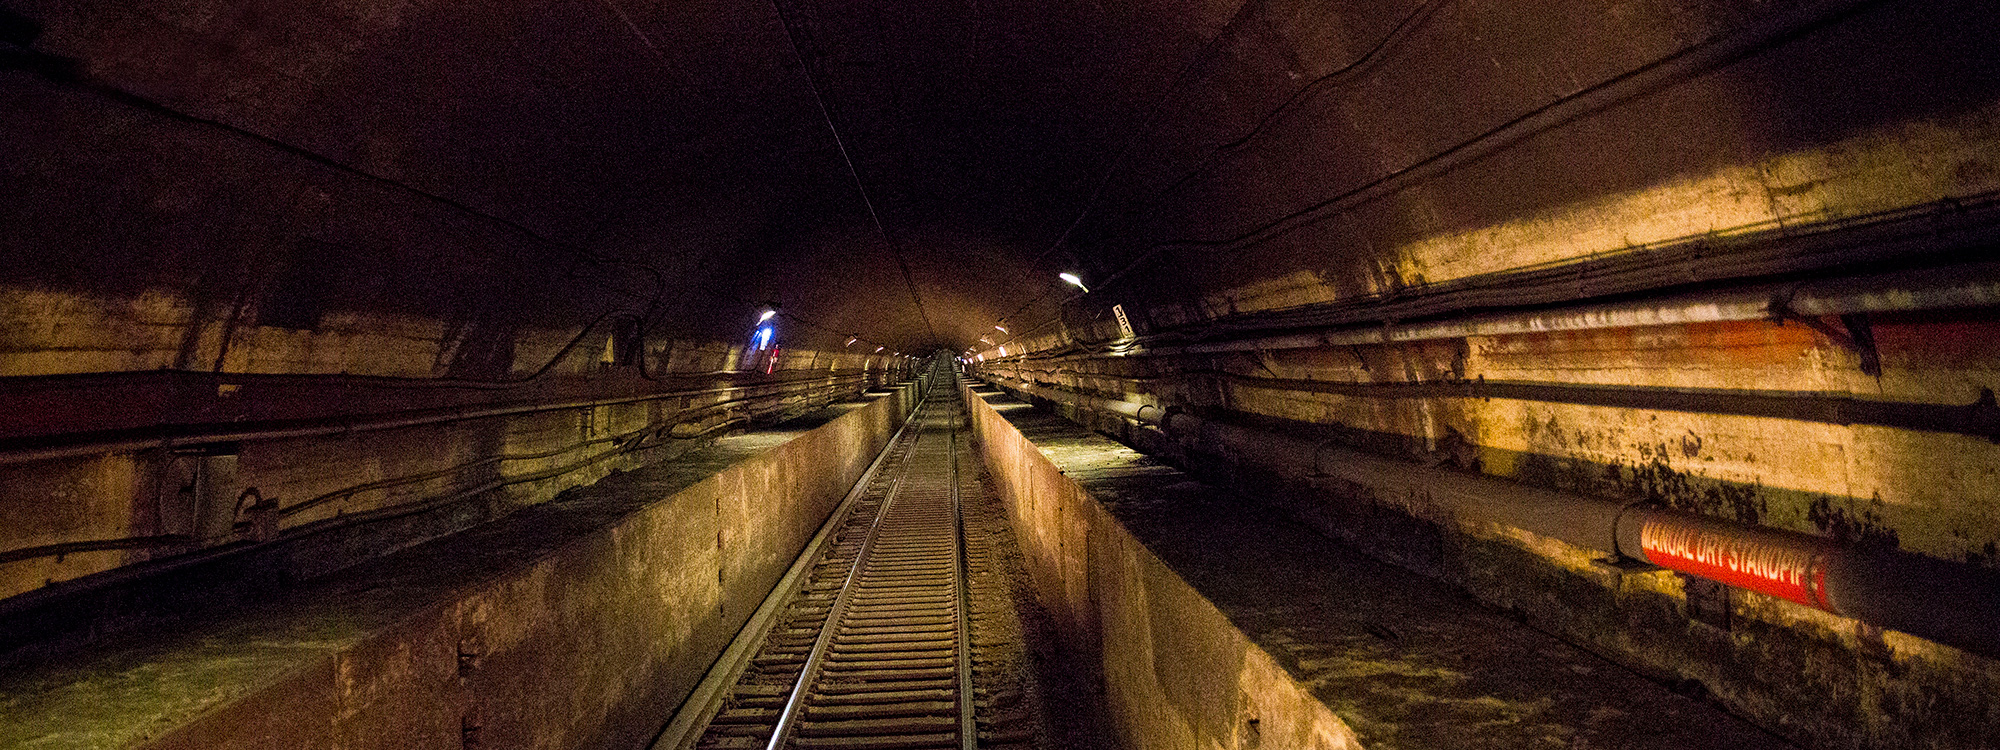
(1127, 617)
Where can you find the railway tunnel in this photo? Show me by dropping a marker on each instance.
(782, 373)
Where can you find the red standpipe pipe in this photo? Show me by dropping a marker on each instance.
(1947, 602)
(1944, 601)
(1783, 564)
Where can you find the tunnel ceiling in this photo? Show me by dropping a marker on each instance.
(691, 137)
(560, 159)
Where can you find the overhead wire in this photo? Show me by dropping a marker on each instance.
(1402, 30)
(1406, 24)
(60, 70)
(1695, 59)
(840, 143)
(1151, 121)
(672, 66)
(64, 71)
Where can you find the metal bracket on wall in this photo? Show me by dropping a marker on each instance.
(1855, 333)
(1708, 602)
(1622, 566)
(256, 516)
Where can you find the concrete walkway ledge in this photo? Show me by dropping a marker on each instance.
(581, 622)
(1211, 622)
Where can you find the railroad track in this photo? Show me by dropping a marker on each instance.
(875, 648)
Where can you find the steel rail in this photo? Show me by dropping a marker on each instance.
(808, 674)
(685, 728)
(968, 724)
(875, 647)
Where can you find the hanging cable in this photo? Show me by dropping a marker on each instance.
(1243, 12)
(1152, 120)
(1402, 30)
(819, 99)
(1707, 55)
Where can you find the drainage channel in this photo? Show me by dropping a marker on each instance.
(872, 645)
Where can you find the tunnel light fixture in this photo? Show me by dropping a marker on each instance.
(1000, 328)
(1073, 280)
(878, 350)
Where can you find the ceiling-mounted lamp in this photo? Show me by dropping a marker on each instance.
(1074, 280)
(878, 350)
(1000, 328)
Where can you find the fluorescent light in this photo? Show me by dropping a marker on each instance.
(1072, 278)
(851, 340)
(1000, 328)
(879, 349)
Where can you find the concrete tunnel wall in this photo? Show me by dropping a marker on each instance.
(183, 495)
(423, 189)
(579, 623)
(1813, 677)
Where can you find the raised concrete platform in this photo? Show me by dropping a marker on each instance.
(1212, 622)
(578, 623)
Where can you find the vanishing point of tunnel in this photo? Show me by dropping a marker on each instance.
(1145, 374)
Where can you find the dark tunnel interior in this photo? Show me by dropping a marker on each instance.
(1662, 328)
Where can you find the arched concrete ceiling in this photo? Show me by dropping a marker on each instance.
(556, 158)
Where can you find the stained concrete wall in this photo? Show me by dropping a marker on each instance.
(1176, 672)
(577, 623)
(1356, 153)
(331, 481)
(1362, 192)
(1816, 678)
(1215, 622)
